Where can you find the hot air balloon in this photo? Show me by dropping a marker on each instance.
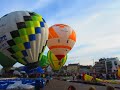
(6, 62)
(23, 36)
(118, 71)
(44, 62)
(54, 62)
(61, 40)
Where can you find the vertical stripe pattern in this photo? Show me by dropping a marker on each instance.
(23, 36)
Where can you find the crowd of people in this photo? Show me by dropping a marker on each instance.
(71, 87)
(98, 75)
(107, 76)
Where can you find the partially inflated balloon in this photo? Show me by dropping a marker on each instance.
(43, 62)
(6, 62)
(61, 40)
(54, 62)
(23, 36)
(118, 72)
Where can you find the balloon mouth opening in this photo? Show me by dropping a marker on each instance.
(33, 65)
(59, 57)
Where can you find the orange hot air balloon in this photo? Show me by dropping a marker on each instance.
(61, 40)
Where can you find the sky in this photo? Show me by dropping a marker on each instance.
(96, 23)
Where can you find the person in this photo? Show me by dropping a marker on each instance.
(39, 83)
(73, 76)
(94, 78)
(71, 88)
(47, 79)
(113, 76)
(110, 88)
(92, 88)
(107, 76)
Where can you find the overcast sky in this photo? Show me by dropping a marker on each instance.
(96, 23)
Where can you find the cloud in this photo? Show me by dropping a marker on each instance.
(96, 23)
(97, 29)
(27, 5)
(101, 31)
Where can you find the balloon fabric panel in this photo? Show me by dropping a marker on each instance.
(52, 34)
(73, 36)
(6, 62)
(50, 59)
(44, 61)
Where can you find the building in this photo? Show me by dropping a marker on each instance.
(63, 70)
(107, 65)
(77, 68)
(73, 68)
(85, 69)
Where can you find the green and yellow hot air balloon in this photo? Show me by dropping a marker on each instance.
(43, 62)
(23, 36)
(54, 62)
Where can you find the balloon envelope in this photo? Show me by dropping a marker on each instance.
(118, 72)
(35, 70)
(54, 62)
(61, 39)
(23, 36)
(6, 62)
(44, 61)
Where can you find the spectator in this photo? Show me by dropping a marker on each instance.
(71, 88)
(110, 88)
(80, 77)
(39, 83)
(73, 76)
(92, 88)
(47, 79)
(108, 76)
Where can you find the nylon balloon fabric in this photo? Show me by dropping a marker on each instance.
(23, 36)
(54, 62)
(6, 62)
(44, 63)
(61, 40)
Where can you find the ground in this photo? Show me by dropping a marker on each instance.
(63, 85)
